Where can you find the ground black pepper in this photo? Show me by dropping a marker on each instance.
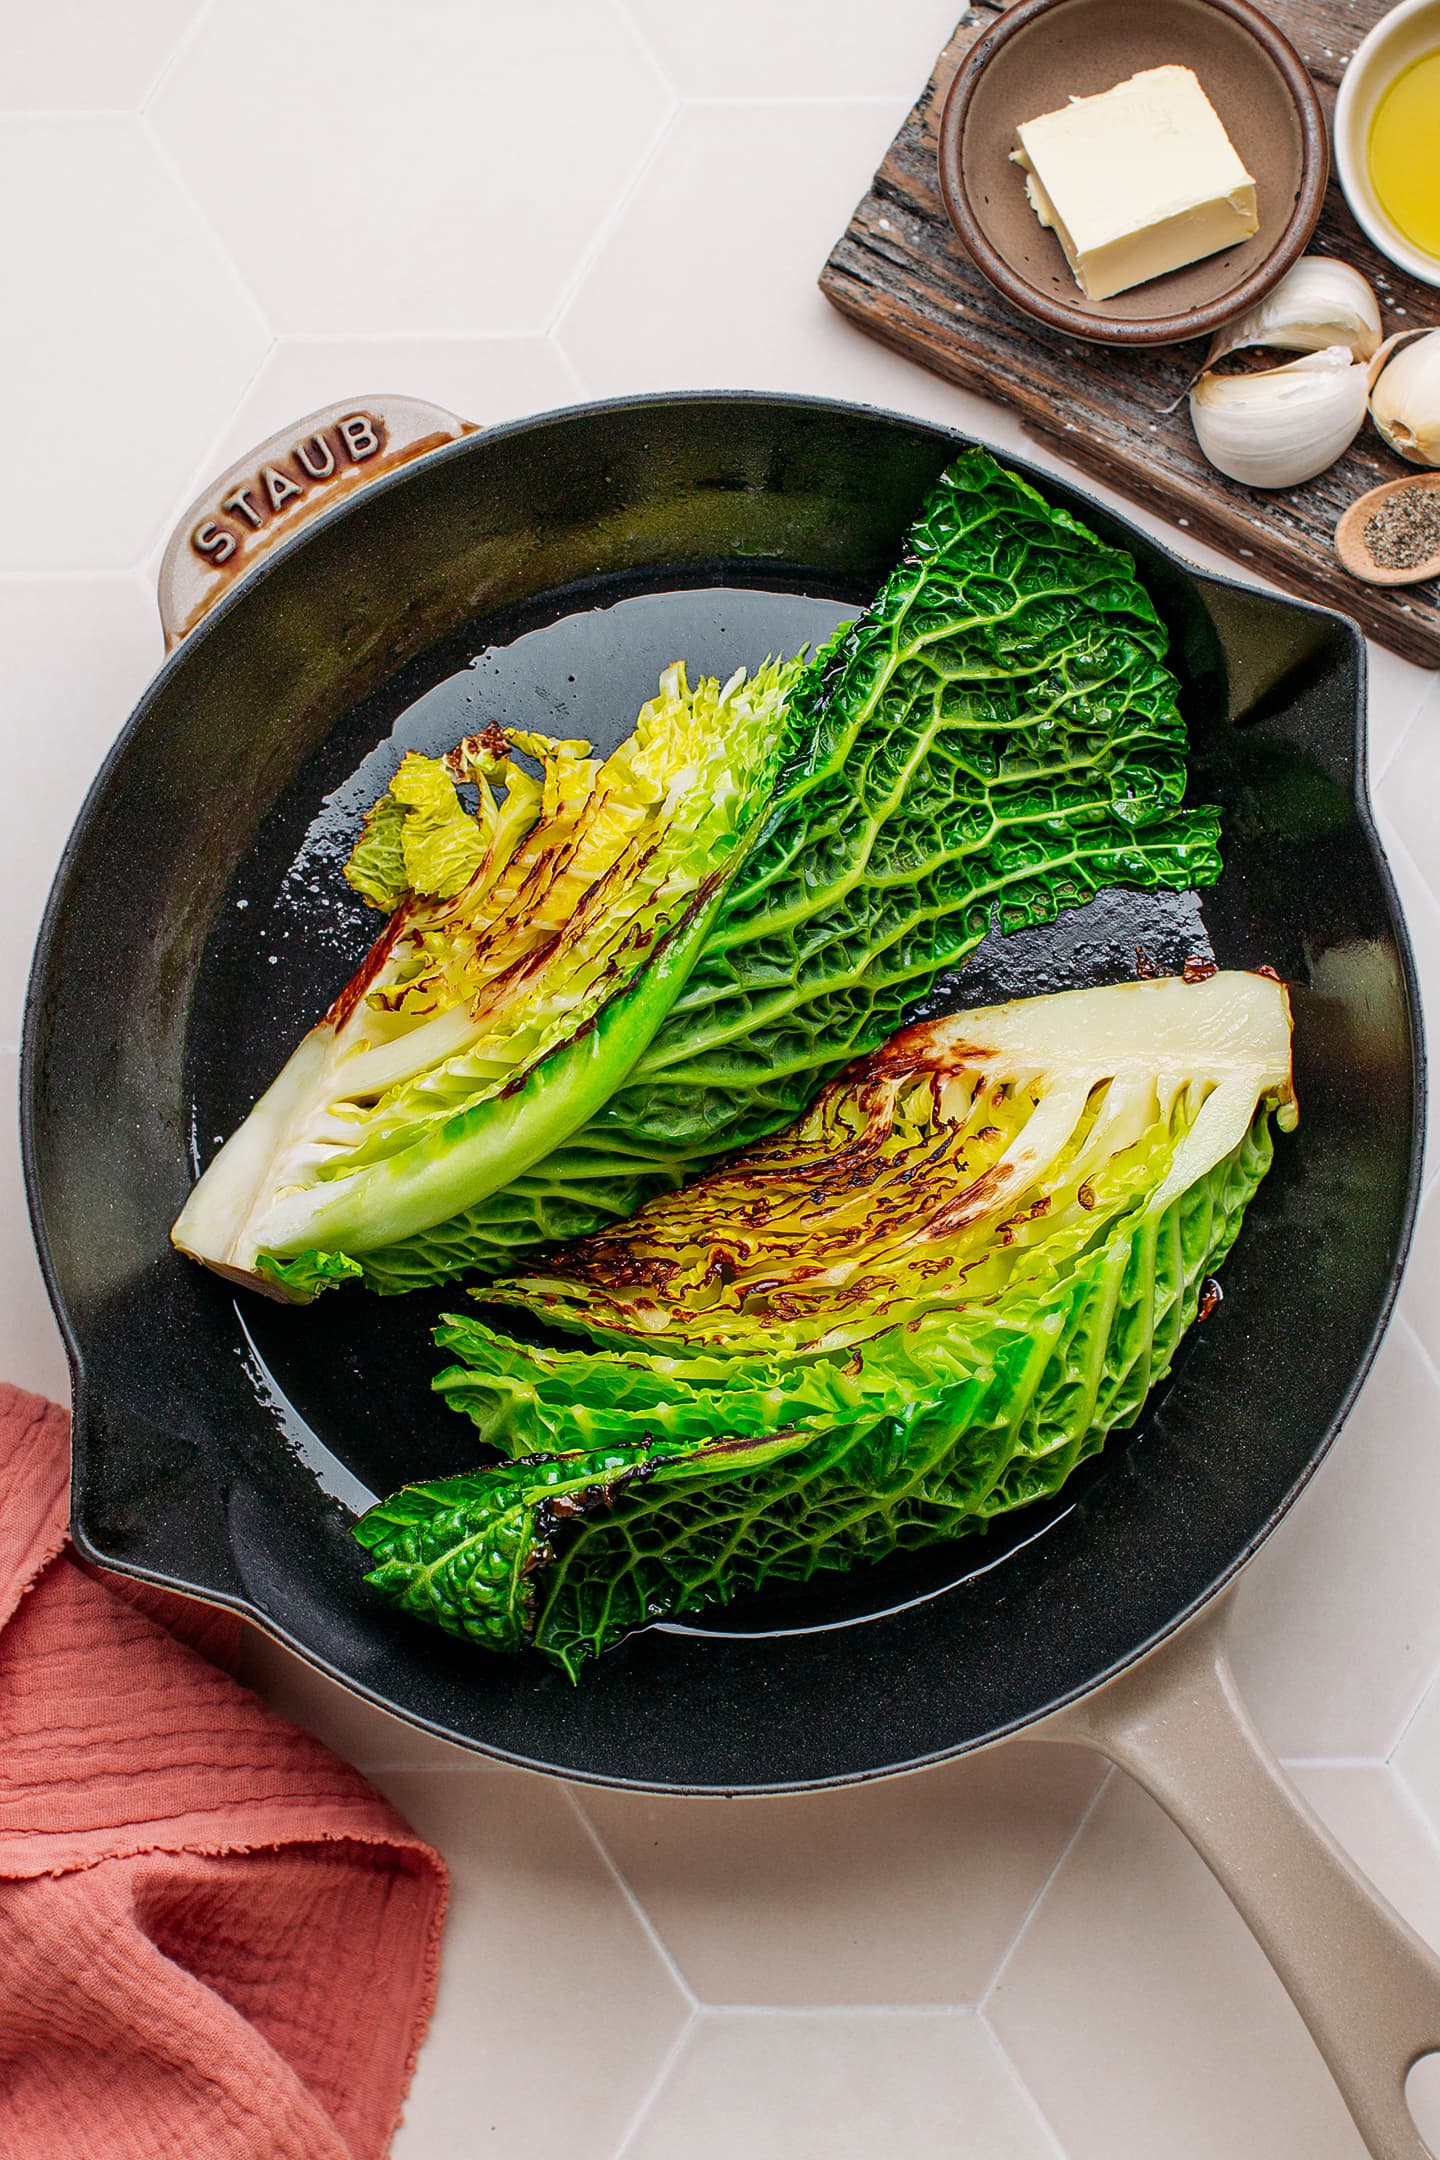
(1405, 531)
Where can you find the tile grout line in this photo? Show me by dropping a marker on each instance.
(103, 576)
(1011, 2070)
(1035, 1903)
(181, 45)
(872, 98)
(657, 2083)
(626, 13)
(1419, 1814)
(402, 336)
(1390, 1764)
(590, 254)
(204, 469)
(1375, 772)
(1403, 1320)
(207, 223)
(137, 115)
(202, 472)
(799, 2011)
(1376, 775)
(652, 1933)
(539, 334)
(1333, 1762)
(574, 380)
(87, 113)
(1393, 843)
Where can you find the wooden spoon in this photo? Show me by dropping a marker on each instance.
(1350, 535)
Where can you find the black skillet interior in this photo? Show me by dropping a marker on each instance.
(544, 573)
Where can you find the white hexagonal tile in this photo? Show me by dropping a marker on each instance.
(486, 380)
(555, 2012)
(31, 1352)
(707, 278)
(439, 168)
(904, 1892)
(1408, 795)
(1337, 1626)
(837, 2087)
(78, 652)
(141, 343)
(1144, 2018)
(1417, 1756)
(1420, 907)
(751, 49)
(1399, 693)
(81, 55)
(1420, 1289)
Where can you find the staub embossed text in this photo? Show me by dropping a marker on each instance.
(351, 440)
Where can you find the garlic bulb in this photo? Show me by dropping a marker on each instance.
(1275, 429)
(1318, 303)
(1405, 394)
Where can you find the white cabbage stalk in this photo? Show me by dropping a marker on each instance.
(1226, 1039)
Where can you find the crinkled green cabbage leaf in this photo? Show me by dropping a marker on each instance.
(997, 739)
(968, 1263)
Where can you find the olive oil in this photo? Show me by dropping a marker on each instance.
(1405, 153)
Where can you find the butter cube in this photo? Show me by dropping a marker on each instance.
(1137, 181)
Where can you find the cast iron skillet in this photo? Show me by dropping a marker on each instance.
(547, 570)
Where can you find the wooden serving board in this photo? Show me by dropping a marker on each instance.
(900, 272)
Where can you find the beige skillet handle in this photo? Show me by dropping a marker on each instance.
(275, 489)
(1359, 1975)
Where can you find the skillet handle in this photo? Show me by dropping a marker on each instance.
(1364, 1982)
(276, 488)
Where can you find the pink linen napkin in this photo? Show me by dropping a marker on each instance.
(216, 1942)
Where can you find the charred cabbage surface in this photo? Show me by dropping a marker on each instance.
(534, 945)
(996, 739)
(968, 1263)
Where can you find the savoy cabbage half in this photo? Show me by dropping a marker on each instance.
(596, 986)
(923, 1306)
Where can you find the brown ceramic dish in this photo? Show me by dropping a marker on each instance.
(1043, 52)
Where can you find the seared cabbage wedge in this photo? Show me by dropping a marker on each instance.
(534, 946)
(765, 888)
(995, 740)
(919, 1308)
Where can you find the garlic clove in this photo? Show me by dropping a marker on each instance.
(1284, 425)
(1405, 394)
(1318, 303)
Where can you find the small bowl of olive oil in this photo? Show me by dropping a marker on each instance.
(1387, 136)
